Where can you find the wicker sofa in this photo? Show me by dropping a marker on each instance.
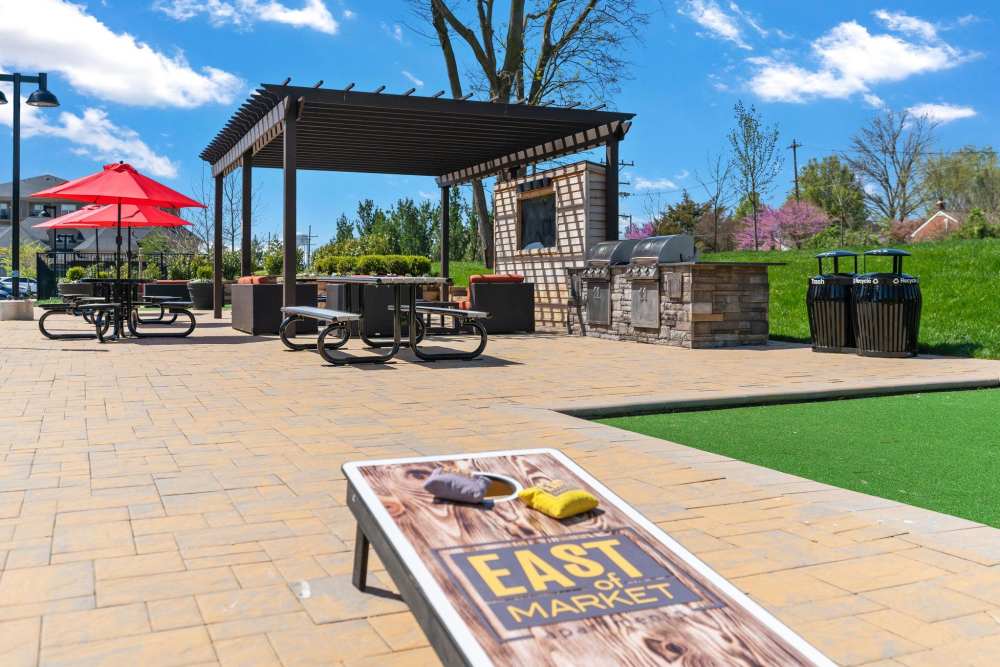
(507, 298)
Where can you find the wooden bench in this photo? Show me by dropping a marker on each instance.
(463, 318)
(338, 321)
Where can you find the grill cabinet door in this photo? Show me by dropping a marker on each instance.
(645, 304)
(598, 302)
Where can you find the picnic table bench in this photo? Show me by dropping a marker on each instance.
(337, 321)
(502, 584)
(463, 319)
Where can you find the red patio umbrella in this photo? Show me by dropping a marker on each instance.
(119, 184)
(106, 215)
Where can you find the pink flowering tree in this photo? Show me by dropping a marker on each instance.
(636, 232)
(780, 228)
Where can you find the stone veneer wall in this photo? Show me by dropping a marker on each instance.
(701, 306)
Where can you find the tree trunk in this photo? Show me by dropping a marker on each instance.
(483, 223)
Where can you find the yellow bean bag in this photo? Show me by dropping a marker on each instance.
(562, 506)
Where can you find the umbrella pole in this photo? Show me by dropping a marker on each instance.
(118, 271)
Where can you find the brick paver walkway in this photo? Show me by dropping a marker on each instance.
(161, 503)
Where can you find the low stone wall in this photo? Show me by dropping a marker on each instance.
(701, 306)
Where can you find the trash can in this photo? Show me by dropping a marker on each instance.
(830, 305)
(887, 309)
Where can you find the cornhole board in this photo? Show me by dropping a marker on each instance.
(507, 585)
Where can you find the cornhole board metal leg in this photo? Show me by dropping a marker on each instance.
(438, 635)
(361, 545)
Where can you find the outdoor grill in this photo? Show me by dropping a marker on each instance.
(597, 274)
(644, 272)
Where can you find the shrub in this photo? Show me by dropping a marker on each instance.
(100, 272)
(180, 268)
(203, 272)
(374, 265)
(397, 264)
(152, 272)
(75, 273)
(976, 226)
(345, 265)
(230, 264)
(420, 266)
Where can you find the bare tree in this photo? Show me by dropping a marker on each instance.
(887, 154)
(202, 222)
(552, 51)
(717, 182)
(755, 160)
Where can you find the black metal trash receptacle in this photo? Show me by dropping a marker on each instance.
(830, 304)
(887, 309)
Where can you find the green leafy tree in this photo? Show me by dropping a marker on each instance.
(681, 217)
(345, 229)
(966, 179)
(833, 186)
(976, 226)
(367, 215)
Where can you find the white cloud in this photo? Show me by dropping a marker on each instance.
(414, 80)
(395, 31)
(427, 195)
(56, 36)
(850, 60)
(682, 174)
(906, 24)
(942, 113)
(349, 14)
(92, 134)
(312, 14)
(654, 184)
(874, 101)
(710, 16)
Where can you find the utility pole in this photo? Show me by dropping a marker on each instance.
(795, 165)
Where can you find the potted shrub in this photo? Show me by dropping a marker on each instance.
(71, 285)
(201, 288)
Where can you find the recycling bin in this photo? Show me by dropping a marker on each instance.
(830, 305)
(887, 309)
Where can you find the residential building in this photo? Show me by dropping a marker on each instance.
(940, 224)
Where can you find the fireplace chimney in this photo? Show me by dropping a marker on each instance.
(940, 204)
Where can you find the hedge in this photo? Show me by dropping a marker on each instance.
(376, 265)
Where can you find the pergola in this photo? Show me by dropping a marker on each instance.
(455, 140)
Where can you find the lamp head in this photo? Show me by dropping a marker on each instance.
(42, 97)
(3, 98)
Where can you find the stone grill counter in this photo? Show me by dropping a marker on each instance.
(702, 305)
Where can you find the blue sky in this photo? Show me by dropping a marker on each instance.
(151, 81)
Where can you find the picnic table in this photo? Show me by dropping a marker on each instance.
(404, 304)
(502, 584)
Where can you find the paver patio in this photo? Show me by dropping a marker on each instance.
(169, 503)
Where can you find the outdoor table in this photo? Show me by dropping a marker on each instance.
(398, 284)
(499, 583)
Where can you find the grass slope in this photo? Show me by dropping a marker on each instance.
(960, 281)
(460, 271)
(940, 451)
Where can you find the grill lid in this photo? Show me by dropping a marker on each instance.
(665, 249)
(612, 253)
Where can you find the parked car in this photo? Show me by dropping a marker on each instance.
(27, 286)
(5, 293)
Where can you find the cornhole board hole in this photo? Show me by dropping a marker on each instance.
(507, 585)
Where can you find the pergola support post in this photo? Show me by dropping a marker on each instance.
(289, 217)
(445, 238)
(217, 293)
(611, 189)
(246, 247)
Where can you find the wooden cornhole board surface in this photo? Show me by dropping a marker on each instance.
(508, 585)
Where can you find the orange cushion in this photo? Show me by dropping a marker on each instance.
(257, 280)
(464, 304)
(497, 278)
(170, 282)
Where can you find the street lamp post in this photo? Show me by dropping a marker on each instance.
(40, 98)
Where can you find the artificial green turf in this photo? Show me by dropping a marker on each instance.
(940, 451)
(960, 282)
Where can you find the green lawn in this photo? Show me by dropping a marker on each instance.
(940, 451)
(960, 281)
(460, 271)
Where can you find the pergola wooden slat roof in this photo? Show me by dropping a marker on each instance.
(455, 141)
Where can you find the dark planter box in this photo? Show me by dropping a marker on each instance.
(257, 308)
(76, 289)
(201, 295)
(177, 290)
(511, 306)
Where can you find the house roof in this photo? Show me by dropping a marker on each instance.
(957, 217)
(454, 140)
(28, 231)
(30, 186)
